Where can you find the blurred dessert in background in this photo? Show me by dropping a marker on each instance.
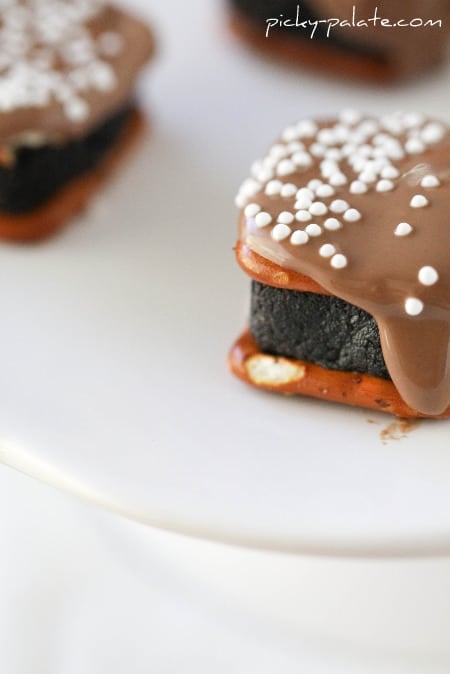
(67, 107)
(381, 40)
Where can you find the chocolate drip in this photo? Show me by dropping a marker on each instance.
(417, 355)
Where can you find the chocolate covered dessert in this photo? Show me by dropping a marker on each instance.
(67, 108)
(370, 39)
(345, 231)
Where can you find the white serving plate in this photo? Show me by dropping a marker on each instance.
(115, 334)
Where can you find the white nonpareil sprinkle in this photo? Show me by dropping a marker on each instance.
(365, 151)
(306, 128)
(102, 77)
(414, 146)
(358, 187)
(314, 185)
(384, 185)
(251, 210)
(339, 261)
(318, 208)
(324, 191)
(368, 127)
(411, 119)
(289, 134)
(303, 216)
(269, 162)
(299, 238)
(250, 187)
(280, 232)
(273, 187)
(326, 136)
(348, 149)
(285, 167)
(50, 55)
(352, 215)
(380, 138)
(306, 192)
(313, 230)
(432, 133)
(337, 179)
(288, 190)
(332, 224)
(342, 133)
(295, 146)
(328, 167)
(403, 229)
(339, 206)
(317, 150)
(264, 174)
(333, 153)
(361, 164)
(428, 276)
(393, 149)
(302, 202)
(278, 151)
(380, 162)
(327, 250)
(285, 217)
(263, 219)
(368, 177)
(430, 181)
(76, 109)
(390, 172)
(413, 306)
(302, 159)
(418, 201)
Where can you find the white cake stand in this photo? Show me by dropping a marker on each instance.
(114, 337)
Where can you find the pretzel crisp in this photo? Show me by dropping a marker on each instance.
(295, 377)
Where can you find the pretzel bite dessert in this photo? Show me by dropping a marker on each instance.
(345, 231)
(67, 110)
(381, 40)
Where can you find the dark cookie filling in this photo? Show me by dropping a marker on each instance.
(261, 10)
(320, 329)
(37, 173)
